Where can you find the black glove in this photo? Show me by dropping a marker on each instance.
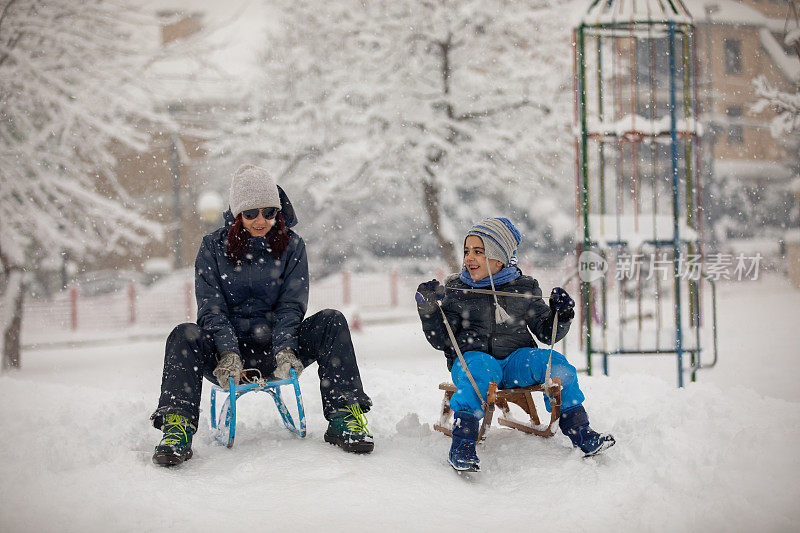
(428, 294)
(563, 304)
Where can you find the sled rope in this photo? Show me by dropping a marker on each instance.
(511, 294)
(547, 380)
(461, 357)
(498, 293)
(244, 378)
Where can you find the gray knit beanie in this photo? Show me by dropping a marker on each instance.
(251, 188)
(500, 238)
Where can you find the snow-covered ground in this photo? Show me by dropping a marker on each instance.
(720, 454)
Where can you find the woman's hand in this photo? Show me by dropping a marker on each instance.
(286, 360)
(229, 366)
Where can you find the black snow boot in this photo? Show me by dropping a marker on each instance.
(463, 457)
(348, 430)
(575, 425)
(176, 444)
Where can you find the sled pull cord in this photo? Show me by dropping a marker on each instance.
(496, 293)
(461, 357)
(547, 381)
(246, 379)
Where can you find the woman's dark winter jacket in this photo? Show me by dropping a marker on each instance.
(472, 318)
(261, 299)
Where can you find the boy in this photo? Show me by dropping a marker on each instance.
(493, 331)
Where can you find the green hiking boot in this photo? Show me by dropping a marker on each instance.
(176, 444)
(348, 430)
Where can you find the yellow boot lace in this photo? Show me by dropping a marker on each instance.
(356, 420)
(175, 428)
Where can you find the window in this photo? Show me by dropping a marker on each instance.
(735, 129)
(733, 56)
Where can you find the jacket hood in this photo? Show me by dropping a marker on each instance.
(289, 216)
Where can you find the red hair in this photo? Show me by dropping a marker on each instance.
(239, 238)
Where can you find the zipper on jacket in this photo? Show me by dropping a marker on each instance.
(494, 324)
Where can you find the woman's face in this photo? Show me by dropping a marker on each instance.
(259, 226)
(475, 259)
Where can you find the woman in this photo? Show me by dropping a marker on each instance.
(494, 333)
(251, 284)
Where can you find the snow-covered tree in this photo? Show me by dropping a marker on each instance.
(406, 121)
(786, 106)
(71, 87)
(784, 126)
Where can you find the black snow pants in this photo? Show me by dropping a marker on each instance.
(323, 337)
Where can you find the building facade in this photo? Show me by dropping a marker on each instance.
(166, 181)
(739, 42)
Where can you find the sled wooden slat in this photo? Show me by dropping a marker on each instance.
(449, 389)
(495, 397)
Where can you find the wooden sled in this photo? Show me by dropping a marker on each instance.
(500, 398)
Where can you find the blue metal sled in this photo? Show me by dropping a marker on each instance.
(224, 421)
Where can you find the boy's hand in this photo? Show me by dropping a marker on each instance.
(428, 294)
(562, 303)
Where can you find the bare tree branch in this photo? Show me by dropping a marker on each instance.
(499, 109)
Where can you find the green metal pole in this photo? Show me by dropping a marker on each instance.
(584, 203)
(601, 114)
(676, 243)
(694, 310)
(602, 186)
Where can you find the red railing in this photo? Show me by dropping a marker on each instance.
(168, 303)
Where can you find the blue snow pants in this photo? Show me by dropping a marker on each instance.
(523, 367)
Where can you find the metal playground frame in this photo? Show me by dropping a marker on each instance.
(638, 189)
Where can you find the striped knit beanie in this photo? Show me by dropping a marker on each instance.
(500, 239)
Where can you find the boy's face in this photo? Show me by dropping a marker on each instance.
(475, 259)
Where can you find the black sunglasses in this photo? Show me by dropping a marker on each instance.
(268, 212)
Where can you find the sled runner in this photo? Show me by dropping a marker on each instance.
(224, 420)
(500, 398)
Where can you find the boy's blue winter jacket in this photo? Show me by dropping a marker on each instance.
(472, 318)
(261, 300)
